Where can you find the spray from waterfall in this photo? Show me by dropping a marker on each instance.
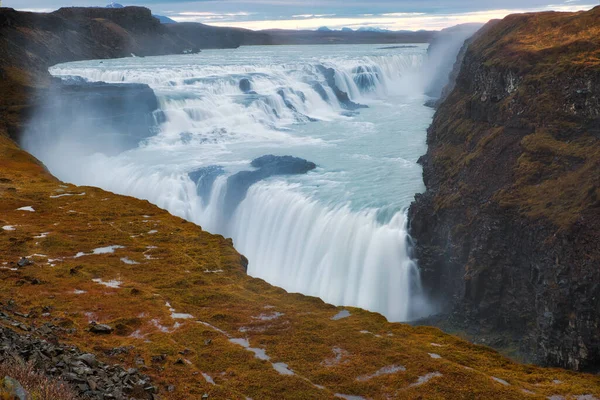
(214, 150)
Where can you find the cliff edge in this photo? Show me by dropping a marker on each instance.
(508, 231)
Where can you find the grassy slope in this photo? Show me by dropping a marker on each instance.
(178, 271)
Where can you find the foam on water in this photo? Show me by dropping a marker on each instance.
(339, 231)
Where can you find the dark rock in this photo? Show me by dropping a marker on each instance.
(24, 262)
(267, 166)
(89, 359)
(245, 85)
(343, 98)
(13, 389)
(100, 328)
(503, 260)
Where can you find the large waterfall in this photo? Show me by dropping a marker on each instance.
(334, 229)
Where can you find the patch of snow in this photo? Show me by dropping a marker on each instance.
(349, 397)
(216, 271)
(8, 228)
(42, 235)
(556, 397)
(341, 315)
(208, 378)
(586, 397)
(100, 250)
(137, 335)
(56, 196)
(339, 354)
(502, 381)
(241, 342)
(258, 353)
(269, 317)
(128, 261)
(91, 317)
(390, 369)
(27, 208)
(426, 378)
(152, 232)
(282, 368)
(436, 345)
(160, 327)
(38, 256)
(115, 284)
(77, 291)
(214, 328)
(527, 391)
(181, 316)
(433, 355)
(556, 382)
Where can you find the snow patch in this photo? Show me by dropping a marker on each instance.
(269, 317)
(115, 284)
(426, 378)
(341, 315)
(41, 235)
(433, 355)
(27, 208)
(349, 397)
(8, 228)
(100, 250)
(128, 261)
(77, 291)
(390, 369)
(282, 368)
(208, 378)
(502, 381)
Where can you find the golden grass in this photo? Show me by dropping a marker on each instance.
(177, 271)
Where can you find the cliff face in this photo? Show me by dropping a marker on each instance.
(508, 231)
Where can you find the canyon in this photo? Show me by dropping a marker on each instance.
(505, 235)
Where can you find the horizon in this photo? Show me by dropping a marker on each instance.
(389, 15)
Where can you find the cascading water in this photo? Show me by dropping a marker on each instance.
(336, 229)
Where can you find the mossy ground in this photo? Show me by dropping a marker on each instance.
(202, 275)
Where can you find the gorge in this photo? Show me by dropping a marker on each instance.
(214, 145)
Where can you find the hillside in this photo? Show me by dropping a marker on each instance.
(508, 230)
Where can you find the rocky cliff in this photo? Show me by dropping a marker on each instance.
(508, 231)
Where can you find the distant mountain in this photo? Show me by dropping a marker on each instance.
(115, 5)
(347, 30)
(164, 20)
(324, 29)
(373, 29)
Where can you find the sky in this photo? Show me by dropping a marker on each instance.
(335, 14)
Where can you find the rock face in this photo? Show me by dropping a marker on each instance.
(508, 231)
(109, 118)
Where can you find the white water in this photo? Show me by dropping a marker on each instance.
(338, 232)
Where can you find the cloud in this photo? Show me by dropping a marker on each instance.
(391, 21)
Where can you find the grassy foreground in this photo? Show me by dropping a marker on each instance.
(302, 353)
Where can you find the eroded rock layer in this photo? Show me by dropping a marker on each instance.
(508, 231)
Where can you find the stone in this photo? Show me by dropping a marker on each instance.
(101, 329)
(14, 389)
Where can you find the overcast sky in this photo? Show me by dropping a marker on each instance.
(311, 14)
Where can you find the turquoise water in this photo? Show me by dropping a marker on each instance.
(337, 232)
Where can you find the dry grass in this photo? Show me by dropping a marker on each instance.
(37, 385)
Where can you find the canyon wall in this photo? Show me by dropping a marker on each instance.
(508, 232)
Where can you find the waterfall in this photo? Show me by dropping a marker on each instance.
(214, 118)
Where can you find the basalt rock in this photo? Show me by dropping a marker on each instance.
(508, 232)
(91, 378)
